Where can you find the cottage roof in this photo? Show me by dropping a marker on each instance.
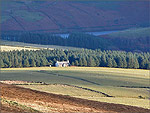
(63, 62)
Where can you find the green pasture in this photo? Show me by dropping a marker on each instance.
(124, 86)
(126, 98)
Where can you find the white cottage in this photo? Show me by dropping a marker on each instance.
(62, 64)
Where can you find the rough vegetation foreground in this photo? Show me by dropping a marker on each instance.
(26, 100)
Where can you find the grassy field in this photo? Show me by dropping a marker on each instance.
(12, 45)
(11, 48)
(121, 86)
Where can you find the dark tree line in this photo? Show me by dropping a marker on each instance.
(80, 40)
(83, 57)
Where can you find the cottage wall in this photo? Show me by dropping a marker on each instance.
(62, 64)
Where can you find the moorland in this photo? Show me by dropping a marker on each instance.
(108, 73)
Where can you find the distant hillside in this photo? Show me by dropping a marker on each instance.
(133, 33)
(73, 15)
(131, 39)
(137, 39)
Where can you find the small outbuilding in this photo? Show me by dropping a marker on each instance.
(62, 64)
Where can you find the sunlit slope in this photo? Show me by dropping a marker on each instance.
(124, 86)
(12, 45)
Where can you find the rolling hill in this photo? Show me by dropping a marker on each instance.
(25, 100)
(34, 21)
(73, 15)
(137, 39)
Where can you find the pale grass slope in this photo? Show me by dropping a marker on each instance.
(12, 45)
(106, 80)
(13, 48)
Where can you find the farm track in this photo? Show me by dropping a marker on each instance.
(68, 14)
(60, 103)
(48, 16)
(86, 12)
(60, 25)
(93, 16)
(52, 19)
(17, 22)
(45, 14)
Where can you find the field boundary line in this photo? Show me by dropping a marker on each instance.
(77, 78)
(88, 89)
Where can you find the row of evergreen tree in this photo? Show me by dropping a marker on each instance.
(81, 57)
(80, 40)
